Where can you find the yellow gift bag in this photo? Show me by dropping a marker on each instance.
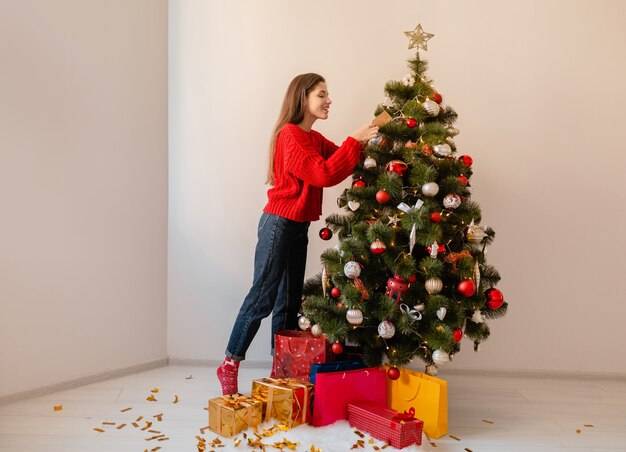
(428, 395)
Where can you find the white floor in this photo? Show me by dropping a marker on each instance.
(523, 414)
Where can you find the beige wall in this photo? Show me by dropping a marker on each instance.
(83, 188)
(538, 86)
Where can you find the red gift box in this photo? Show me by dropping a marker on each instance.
(385, 424)
(294, 352)
(335, 390)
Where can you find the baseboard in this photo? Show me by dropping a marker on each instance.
(71, 384)
(216, 362)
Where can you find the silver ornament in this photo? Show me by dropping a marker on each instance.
(431, 107)
(316, 330)
(430, 189)
(419, 307)
(442, 150)
(451, 201)
(433, 285)
(325, 280)
(376, 140)
(386, 329)
(369, 163)
(304, 323)
(353, 205)
(477, 275)
(477, 317)
(452, 131)
(352, 269)
(354, 316)
(441, 313)
(440, 357)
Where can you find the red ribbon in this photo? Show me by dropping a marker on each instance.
(405, 416)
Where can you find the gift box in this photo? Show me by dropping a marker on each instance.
(295, 351)
(335, 390)
(335, 366)
(229, 415)
(385, 424)
(285, 399)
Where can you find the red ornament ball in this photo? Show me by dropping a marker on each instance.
(393, 373)
(466, 287)
(398, 167)
(457, 335)
(325, 234)
(359, 183)
(463, 180)
(467, 160)
(435, 217)
(495, 298)
(335, 292)
(337, 348)
(377, 247)
(412, 278)
(383, 197)
(410, 122)
(437, 97)
(340, 305)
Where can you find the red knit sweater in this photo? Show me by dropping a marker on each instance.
(304, 162)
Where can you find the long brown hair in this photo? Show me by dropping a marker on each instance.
(292, 111)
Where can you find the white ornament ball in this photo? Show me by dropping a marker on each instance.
(440, 357)
(475, 234)
(430, 189)
(451, 201)
(433, 285)
(354, 316)
(431, 107)
(304, 323)
(369, 163)
(316, 330)
(442, 150)
(352, 269)
(408, 80)
(386, 330)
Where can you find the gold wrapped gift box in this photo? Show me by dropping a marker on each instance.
(229, 415)
(286, 399)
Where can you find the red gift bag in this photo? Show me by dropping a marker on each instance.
(335, 390)
(399, 430)
(295, 351)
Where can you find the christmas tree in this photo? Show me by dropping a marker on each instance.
(408, 277)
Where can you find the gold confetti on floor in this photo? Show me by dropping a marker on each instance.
(151, 398)
(588, 425)
(487, 421)
(467, 449)
(139, 418)
(126, 409)
(455, 437)
(176, 400)
(578, 430)
(121, 426)
(189, 377)
(58, 407)
(99, 430)
(108, 423)
(154, 390)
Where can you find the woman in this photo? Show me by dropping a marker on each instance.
(301, 163)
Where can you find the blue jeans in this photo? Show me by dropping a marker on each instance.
(279, 263)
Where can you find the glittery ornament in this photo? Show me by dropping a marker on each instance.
(304, 323)
(442, 150)
(354, 316)
(440, 357)
(352, 269)
(475, 234)
(451, 201)
(378, 247)
(433, 285)
(386, 329)
(418, 37)
(369, 163)
(397, 166)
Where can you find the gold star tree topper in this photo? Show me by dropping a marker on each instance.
(418, 37)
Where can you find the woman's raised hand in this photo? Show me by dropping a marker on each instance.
(365, 133)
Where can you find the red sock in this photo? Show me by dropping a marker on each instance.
(227, 375)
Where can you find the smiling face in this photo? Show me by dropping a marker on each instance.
(318, 102)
